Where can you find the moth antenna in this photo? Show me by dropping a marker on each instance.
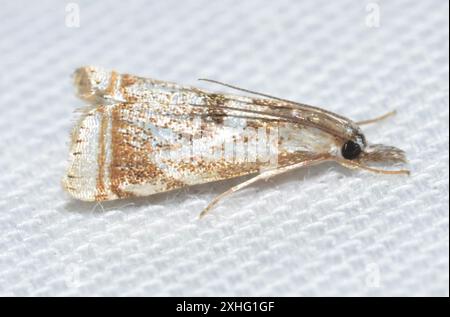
(277, 116)
(300, 105)
(376, 119)
(245, 90)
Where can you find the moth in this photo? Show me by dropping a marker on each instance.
(139, 136)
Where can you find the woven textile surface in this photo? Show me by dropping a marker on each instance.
(320, 231)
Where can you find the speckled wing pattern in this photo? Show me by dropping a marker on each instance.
(141, 136)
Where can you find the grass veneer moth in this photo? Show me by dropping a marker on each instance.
(142, 136)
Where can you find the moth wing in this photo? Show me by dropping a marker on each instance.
(170, 150)
(139, 149)
(87, 173)
(97, 85)
(165, 136)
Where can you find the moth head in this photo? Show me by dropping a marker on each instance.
(357, 149)
(352, 148)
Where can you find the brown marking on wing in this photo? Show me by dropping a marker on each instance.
(218, 170)
(226, 171)
(131, 164)
(128, 80)
(256, 124)
(286, 159)
(110, 90)
(214, 101)
(101, 191)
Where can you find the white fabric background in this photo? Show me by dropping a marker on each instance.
(322, 231)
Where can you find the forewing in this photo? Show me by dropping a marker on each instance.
(99, 86)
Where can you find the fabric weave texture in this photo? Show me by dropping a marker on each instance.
(320, 231)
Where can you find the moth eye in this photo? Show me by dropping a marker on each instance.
(350, 150)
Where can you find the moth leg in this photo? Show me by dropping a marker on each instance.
(380, 118)
(264, 175)
(356, 165)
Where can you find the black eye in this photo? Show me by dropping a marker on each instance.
(350, 150)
